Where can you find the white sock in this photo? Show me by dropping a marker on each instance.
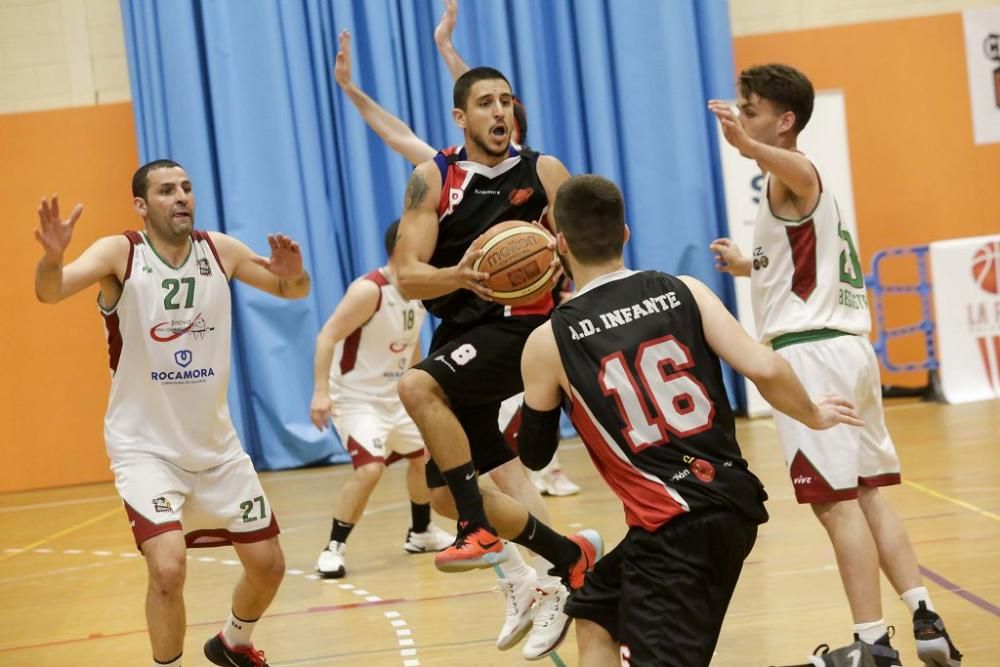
(237, 631)
(870, 633)
(514, 567)
(915, 596)
(542, 568)
(176, 662)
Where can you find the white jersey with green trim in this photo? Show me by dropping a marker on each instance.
(370, 361)
(169, 347)
(806, 273)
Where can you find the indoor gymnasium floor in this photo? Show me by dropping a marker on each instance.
(72, 585)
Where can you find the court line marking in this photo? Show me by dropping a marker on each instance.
(955, 501)
(61, 533)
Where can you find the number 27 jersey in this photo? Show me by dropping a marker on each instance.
(649, 402)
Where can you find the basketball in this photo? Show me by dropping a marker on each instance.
(518, 260)
(984, 267)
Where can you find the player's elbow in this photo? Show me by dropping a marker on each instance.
(46, 297)
(766, 368)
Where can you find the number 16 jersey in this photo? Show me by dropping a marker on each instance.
(649, 402)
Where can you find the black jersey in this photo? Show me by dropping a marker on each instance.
(649, 402)
(474, 198)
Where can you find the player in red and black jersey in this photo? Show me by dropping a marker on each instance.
(455, 393)
(636, 355)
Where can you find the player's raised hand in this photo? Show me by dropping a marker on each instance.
(728, 258)
(468, 277)
(53, 232)
(833, 410)
(731, 128)
(286, 257)
(342, 63)
(446, 26)
(319, 410)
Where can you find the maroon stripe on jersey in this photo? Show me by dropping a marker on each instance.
(647, 503)
(811, 487)
(361, 456)
(454, 178)
(134, 238)
(396, 456)
(802, 239)
(143, 528)
(380, 280)
(220, 537)
(207, 238)
(510, 433)
(888, 479)
(350, 356)
(113, 327)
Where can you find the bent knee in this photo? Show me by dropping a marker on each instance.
(370, 473)
(167, 574)
(416, 388)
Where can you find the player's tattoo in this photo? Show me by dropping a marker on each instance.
(416, 190)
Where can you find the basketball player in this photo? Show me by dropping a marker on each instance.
(178, 464)
(454, 394)
(809, 304)
(361, 352)
(637, 356)
(533, 596)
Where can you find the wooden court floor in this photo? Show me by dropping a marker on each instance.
(72, 585)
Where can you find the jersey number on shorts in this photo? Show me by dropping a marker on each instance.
(173, 286)
(248, 506)
(680, 403)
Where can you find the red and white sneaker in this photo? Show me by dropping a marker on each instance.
(220, 653)
(591, 548)
(475, 547)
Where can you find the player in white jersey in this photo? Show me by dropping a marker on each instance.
(372, 337)
(809, 304)
(178, 464)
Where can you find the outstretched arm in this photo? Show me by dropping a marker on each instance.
(418, 233)
(281, 274)
(729, 259)
(442, 38)
(102, 260)
(774, 377)
(393, 131)
(795, 175)
(356, 308)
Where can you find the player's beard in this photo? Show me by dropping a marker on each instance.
(484, 146)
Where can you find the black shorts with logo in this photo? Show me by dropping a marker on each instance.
(663, 595)
(478, 366)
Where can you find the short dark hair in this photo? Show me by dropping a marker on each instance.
(391, 233)
(590, 213)
(140, 185)
(464, 83)
(782, 85)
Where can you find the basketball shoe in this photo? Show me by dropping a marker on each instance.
(858, 654)
(934, 646)
(330, 564)
(520, 595)
(432, 539)
(552, 481)
(550, 625)
(220, 653)
(591, 548)
(475, 547)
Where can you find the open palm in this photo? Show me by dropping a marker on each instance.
(286, 257)
(53, 232)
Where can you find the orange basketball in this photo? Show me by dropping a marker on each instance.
(518, 260)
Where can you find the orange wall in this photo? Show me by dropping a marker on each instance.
(55, 374)
(917, 174)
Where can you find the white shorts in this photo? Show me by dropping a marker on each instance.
(827, 466)
(375, 430)
(213, 507)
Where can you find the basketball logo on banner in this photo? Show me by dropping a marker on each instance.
(984, 267)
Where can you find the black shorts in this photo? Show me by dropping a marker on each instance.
(663, 595)
(478, 367)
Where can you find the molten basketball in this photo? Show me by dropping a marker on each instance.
(517, 257)
(985, 268)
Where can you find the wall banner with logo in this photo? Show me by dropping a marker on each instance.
(825, 141)
(966, 277)
(982, 61)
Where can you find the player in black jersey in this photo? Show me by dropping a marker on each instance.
(636, 356)
(455, 393)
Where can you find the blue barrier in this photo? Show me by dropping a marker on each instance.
(926, 324)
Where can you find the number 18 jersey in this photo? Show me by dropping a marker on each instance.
(649, 402)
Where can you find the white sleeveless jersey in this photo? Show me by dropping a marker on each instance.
(806, 273)
(168, 342)
(370, 361)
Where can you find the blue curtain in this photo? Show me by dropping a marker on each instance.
(241, 94)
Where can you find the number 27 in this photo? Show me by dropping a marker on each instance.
(247, 507)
